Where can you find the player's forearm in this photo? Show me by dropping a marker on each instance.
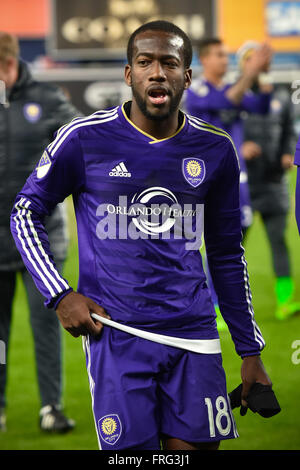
(32, 242)
(228, 270)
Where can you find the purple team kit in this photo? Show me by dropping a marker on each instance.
(143, 206)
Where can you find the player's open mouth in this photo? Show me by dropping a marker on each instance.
(158, 96)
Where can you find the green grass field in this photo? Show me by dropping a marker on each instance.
(281, 432)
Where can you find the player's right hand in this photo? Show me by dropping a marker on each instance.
(74, 311)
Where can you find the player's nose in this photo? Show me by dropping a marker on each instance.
(157, 72)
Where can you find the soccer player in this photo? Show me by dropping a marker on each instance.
(144, 177)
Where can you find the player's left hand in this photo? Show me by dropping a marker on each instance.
(74, 313)
(252, 371)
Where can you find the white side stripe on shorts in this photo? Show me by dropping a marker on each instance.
(87, 350)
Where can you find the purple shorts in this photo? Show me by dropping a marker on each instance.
(141, 389)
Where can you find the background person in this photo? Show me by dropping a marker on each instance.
(268, 149)
(32, 113)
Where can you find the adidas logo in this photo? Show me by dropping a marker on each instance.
(120, 170)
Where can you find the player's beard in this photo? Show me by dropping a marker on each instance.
(142, 104)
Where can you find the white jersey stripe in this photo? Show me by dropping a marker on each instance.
(203, 123)
(76, 126)
(257, 334)
(17, 219)
(82, 118)
(33, 249)
(44, 254)
(76, 121)
(207, 128)
(204, 127)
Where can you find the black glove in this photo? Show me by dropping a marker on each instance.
(261, 399)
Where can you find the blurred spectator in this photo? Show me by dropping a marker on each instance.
(269, 145)
(221, 104)
(32, 113)
(212, 99)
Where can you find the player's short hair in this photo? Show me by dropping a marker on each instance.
(167, 27)
(205, 44)
(9, 46)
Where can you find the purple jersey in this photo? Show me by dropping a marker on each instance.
(142, 205)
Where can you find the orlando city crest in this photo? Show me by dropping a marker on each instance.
(43, 165)
(193, 170)
(110, 428)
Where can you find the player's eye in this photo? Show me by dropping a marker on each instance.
(171, 64)
(143, 62)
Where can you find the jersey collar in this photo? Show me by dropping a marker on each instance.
(149, 138)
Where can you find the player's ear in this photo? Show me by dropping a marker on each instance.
(127, 74)
(187, 78)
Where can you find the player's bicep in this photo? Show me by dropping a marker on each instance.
(222, 209)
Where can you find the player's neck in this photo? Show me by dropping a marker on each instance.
(214, 79)
(160, 129)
